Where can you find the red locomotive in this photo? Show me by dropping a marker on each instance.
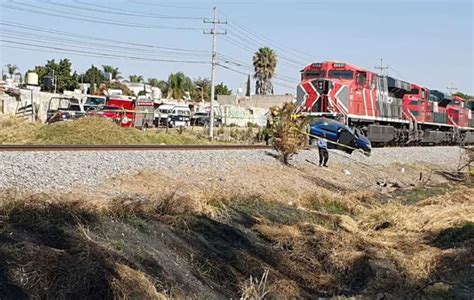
(386, 109)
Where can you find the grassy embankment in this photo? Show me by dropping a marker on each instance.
(162, 243)
(98, 131)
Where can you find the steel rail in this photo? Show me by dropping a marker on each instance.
(32, 148)
(212, 147)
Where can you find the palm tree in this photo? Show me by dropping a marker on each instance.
(113, 71)
(136, 78)
(178, 85)
(161, 84)
(11, 69)
(264, 62)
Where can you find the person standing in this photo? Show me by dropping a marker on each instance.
(323, 152)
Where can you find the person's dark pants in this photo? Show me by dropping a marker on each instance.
(323, 156)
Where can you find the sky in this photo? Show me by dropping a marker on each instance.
(426, 42)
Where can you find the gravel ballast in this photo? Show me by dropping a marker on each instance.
(44, 170)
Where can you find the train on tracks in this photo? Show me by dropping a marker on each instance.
(389, 111)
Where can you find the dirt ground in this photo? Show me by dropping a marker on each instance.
(397, 232)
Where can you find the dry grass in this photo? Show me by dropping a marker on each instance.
(168, 203)
(59, 259)
(341, 257)
(92, 131)
(284, 289)
(254, 288)
(399, 233)
(133, 284)
(325, 243)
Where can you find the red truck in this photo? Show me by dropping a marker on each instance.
(128, 112)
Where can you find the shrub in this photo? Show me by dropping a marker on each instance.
(220, 131)
(288, 132)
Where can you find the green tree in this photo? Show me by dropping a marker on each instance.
(153, 82)
(222, 89)
(136, 78)
(178, 85)
(264, 62)
(65, 80)
(464, 96)
(113, 71)
(205, 84)
(203, 88)
(161, 84)
(116, 85)
(94, 75)
(11, 69)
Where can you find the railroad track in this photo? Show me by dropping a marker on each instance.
(30, 148)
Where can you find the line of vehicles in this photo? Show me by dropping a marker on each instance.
(140, 113)
(386, 110)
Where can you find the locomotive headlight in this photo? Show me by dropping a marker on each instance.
(320, 85)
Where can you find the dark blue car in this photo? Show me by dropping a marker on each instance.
(346, 138)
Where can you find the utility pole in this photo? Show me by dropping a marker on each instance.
(214, 33)
(451, 89)
(54, 82)
(33, 111)
(382, 67)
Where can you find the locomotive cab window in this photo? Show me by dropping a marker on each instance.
(341, 74)
(314, 74)
(423, 94)
(361, 78)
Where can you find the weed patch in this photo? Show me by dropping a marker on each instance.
(455, 237)
(274, 212)
(415, 195)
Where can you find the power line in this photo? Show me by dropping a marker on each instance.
(252, 51)
(248, 40)
(244, 46)
(243, 73)
(169, 5)
(89, 37)
(66, 15)
(120, 12)
(74, 51)
(100, 46)
(228, 59)
(42, 39)
(40, 42)
(277, 45)
(398, 73)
